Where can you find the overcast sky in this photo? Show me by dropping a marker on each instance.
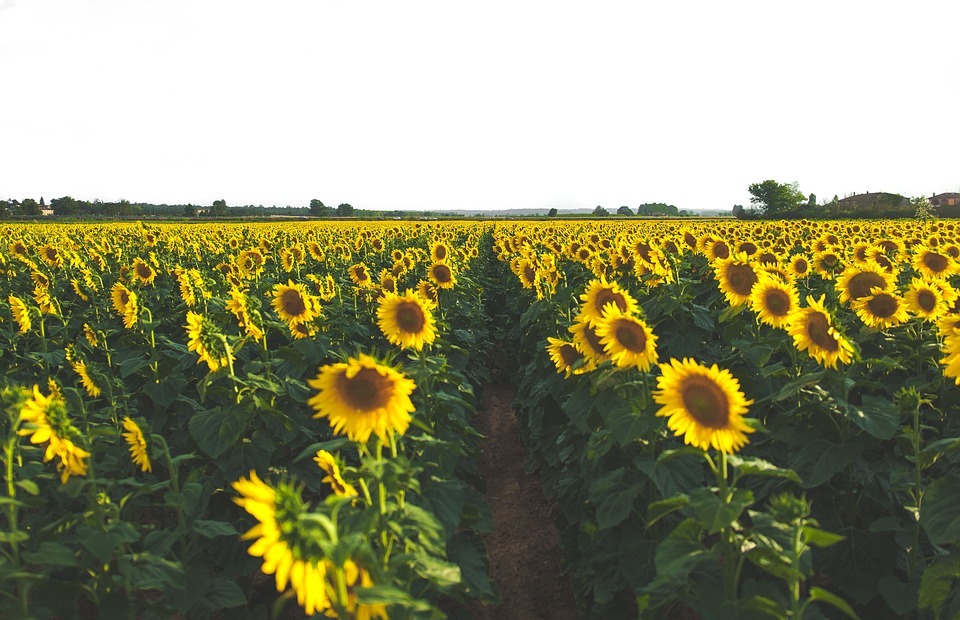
(450, 104)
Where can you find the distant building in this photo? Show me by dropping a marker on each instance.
(46, 211)
(944, 200)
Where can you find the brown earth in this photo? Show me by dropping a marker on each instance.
(524, 547)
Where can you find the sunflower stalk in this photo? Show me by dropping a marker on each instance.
(175, 484)
(13, 513)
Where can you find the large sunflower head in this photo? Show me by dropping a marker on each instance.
(441, 274)
(125, 303)
(933, 264)
(705, 405)
(736, 276)
(294, 304)
(799, 266)
(859, 279)
(881, 309)
(926, 299)
(586, 340)
(599, 294)
(565, 355)
(360, 275)
(406, 320)
(204, 337)
(21, 313)
(627, 339)
(773, 300)
(143, 272)
(362, 397)
(813, 331)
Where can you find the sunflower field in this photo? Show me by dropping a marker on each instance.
(732, 420)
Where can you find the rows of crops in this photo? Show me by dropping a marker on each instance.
(791, 450)
(734, 420)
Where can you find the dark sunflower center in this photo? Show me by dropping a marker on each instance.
(829, 261)
(884, 262)
(953, 251)
(935, 262)
(51, 253)
(390, 286)
(143, 270)
(776, 302)
(606, 296)
(741, 278)
(690, 240)
(888, 245)
(570, 354)
(441, 252)
(292, 302)
(883, 305)
(861, 253)
(631, 336)
(584, 254)
(721, 250)
(367, 391)
(529, 273)
(410, 317)
(124, 298)
(594, 340)
(361, 273)
(442, 273)
(748, 247)
(818, 331)
(643, 250)
(860, 284)
(926, 300)
(767, 258)
(705, 402)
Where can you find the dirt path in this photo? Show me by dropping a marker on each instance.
(524, 547)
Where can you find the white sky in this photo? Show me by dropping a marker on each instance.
(494, 104)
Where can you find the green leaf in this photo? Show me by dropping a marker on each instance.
(878, 417)
(215, 431)
(713, 513)
(937, 581)
(29, 486)
(224, 593)
(751, 466)
(467, 550)
(824, 596)
(613, 498)
(658, 510)
(940, 516)
(14, 536)
(389, 595)
(147, 571)
(329, 446)
(820, 538)
(763, 605)
(213, 529)
(440, 572)
(52, 554)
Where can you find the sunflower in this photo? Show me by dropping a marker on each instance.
(627, 339)
(360, 275)
(277, 511)
(75, 283)
(925, 299)
(358, 577)
(736, 276)
(881, 309)
(51, 256)
(799, 266)
(86, 380)
(143, 272)
(125, 303)
(137, 443)
(565, 355)
(773, 301)
(388, 283)
(326, 462)
(250, 263)
(599, 294)
(46, 420)
(527, 272)
(933, 264)
(441, 274)
(21, 313)
(858, 280)
(439, 252)
(716, 249)
(812, 330)
(705, 405)
(239, 306)
(827, 263)
(91, 335)
(44, 300)
(294, 304)
(586, 340)
(406, 320)
(361, 397)
(427, 290)
(204, 338)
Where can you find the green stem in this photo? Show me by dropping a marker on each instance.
(175, 484)
(13, 514)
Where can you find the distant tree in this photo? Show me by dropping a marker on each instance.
(67, 205)
(189, 210)
(922, 209)
(812, 201)
(624, 211)
(344, 210)
(738, 211)
(657, 208)
(29, 207)
(552, 213)
(774, 199)
(42, 204)
(600, 211)
(319, 209)
(219, 208)
(4, 208)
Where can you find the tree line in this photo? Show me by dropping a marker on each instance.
(772, 200)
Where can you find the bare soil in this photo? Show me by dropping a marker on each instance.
(524, 547)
